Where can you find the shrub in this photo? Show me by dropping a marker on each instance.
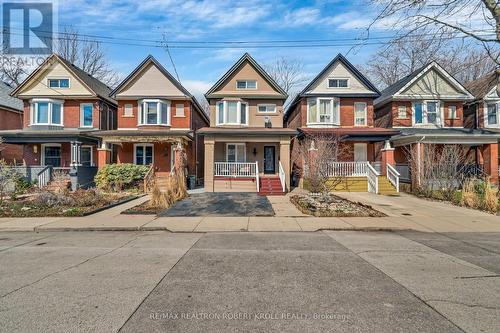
(490, 199)
(469, 194)
(120, 176)
(22, 185)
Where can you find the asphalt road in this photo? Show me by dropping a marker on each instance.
(240, 282)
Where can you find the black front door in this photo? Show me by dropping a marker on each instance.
(269, 159)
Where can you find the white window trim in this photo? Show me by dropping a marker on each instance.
(439, 113)
(238, 113)
(42, 151)
(59, 78)
(91, 154)
(141, 119)
(256, 85)
(82, 124)
(365, 114)
(131, 115)
(183, 111)
(318, 122)
(337, 78)
(267, 105)
(144, 145)
(406, 112)
(34, 111)
(485, 115)
(236, 151)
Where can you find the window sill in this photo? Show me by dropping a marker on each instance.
(126, 116)
(267, 114)
(184, 116)
(146, 125)
(54, 125)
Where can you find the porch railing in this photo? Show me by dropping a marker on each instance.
(372, 177)
(257, 181)
(393, 176)
(44, 176)
(347, 169)
(149, 179)
(282, 176)
(235, 169)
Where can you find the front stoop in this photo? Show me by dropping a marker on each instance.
(385, 187)
(270, 186)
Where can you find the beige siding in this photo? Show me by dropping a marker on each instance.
(150, 82)
(432, 83)
(39, 85)
(338, 71)
(255, 119)
(226, 185)
(246, 72)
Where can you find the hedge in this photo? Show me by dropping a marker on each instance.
(120, 176)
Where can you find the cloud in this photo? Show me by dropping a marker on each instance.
(302, 16)
(197, 87)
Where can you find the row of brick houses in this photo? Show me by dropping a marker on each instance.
(75, 123)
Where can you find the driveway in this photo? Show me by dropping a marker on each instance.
(221, 204)
(244, 282)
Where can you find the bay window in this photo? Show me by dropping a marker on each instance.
(426, 113)
(154, 112)
(323, 111)
(491, 118)
(47, 112)
(232, 113)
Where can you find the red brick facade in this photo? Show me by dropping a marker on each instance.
(10, 120)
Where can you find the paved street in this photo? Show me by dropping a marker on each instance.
(321, 281)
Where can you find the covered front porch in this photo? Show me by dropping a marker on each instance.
(239, 163)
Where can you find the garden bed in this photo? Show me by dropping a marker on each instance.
(47, 204)
(330, 205)
(144, 208)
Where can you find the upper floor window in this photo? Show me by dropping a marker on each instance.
(492, 116)
(128, 110)
(360, 114)
(402, 113)
(267, 108)
(232, 113)
(58, 83)
(426, 113)
(452, 112)
(179, 110)
(47, 112)
(246, 84)
(86, 115)
(323, 111)
(154, 112)
(337, 83)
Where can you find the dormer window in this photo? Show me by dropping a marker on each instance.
(58, 83)
(154, 112)
(47, 112)
(246, 84)
(338, 83)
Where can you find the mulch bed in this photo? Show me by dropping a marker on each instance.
(323, 205)
(143, 209)
(28, 207)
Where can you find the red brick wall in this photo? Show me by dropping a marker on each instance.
(399, 122)
(347, 110)
(459, 122)
(71, 113)
(161, 155)
(10, 120)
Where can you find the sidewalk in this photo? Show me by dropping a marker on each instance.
(404, 213)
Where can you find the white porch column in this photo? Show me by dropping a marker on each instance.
(76, 153)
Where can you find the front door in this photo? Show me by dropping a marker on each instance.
(269, 159)
(360, 152)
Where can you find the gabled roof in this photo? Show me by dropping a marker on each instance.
(260, 70)
(150, 59)
(482, 87)
(349, 66)
(338, 58)
(8, 101)
(401, 85)
(97, 87)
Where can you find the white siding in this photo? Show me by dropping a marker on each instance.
(338, 70)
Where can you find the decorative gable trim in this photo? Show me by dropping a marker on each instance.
(260, 70)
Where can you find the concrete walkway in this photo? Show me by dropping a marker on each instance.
(405, 212)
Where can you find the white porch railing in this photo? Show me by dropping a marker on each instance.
(347, 169)
(257, 181)
(372, 177)
(282, 176)
(235, 169)
(44, 176)
(393, 176)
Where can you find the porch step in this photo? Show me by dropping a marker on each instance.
(385, 187)
(270, 186)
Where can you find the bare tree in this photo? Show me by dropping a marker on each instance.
(401, 57)
(12, 70)
(87, 54)
(476, 19)
(288, 73)
(313, 159)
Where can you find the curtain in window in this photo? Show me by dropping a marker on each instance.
(243, 114)
(418, 113)
(151, 115)
(359, 113)
(164, 115)
(325, 111)
(232, 112)
(313, 111)
(231, 153)
(492, 114)
(240, 153)
(43, 113)
(432, 112)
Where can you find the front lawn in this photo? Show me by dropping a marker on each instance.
(44, 203)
